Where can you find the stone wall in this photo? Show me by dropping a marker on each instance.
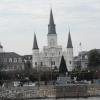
(71, 91)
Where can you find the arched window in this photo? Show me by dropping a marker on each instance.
(15, 67)
(69, 62)
(20, 67)
(59, 53)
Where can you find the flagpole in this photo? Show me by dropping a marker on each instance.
(81, 54)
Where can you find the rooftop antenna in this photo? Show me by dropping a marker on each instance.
(34, 29)
(69, 29)
(50, 5)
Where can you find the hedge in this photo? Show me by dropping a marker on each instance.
(82, 75)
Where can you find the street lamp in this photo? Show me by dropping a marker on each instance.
(51, 70)
(51, 67)
(83, 78)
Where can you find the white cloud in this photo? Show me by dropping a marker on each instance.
(18, 20)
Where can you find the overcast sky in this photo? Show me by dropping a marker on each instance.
(18, 18)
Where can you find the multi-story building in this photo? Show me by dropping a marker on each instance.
(81, 61)
(10, 61)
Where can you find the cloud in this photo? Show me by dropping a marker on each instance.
(19, 18)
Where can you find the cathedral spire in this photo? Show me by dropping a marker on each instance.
(51, 26)
(51, 21)
(69, 44)
(35, 45)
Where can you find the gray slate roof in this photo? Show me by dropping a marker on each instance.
(28, 57)
(83, 54)
(51, 26)
(69, 43)
(35, 45)
(12, 55)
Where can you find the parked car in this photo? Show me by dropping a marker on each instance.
(29, 84)
(50, 83)
(16, 83)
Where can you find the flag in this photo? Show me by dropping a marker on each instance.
(80, 44)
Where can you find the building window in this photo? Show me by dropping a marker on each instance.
(5, 67)
(5, 59)
(41, 64)
(50, 43)
(15, 67)
(59, 53)
(86, 57)
(69, 62)
(45, 53)
(20, 67)
(19, 60)
(15, 59)
(54, 63)
(36, 63)
(10, 67)
(10, 59)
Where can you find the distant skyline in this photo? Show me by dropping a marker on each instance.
(19, 18)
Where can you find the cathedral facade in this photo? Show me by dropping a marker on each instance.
(52, 53)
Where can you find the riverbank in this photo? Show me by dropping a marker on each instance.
(44, 92)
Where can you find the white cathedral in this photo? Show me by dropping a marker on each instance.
(52, 53)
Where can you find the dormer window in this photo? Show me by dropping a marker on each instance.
(29, 57)
(19, 60)
(5, 59)
(10, 59)
(86, 57)
(15, 59)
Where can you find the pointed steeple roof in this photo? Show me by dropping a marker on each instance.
(35, 45)
(69, 44)
(51, 21)
(51, 26)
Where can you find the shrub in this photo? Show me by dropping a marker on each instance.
(82, 75)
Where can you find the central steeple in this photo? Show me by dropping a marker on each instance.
(51, 26)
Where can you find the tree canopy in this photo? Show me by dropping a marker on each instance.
(93, 58)
(62, 67)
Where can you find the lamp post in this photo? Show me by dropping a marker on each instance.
(51, 67)
(83, 78)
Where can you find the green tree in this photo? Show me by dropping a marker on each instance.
(62, 67)
(93, 58)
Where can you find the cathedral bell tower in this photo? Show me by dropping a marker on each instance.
(51, 36)
(69, 52)
(35, 53)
